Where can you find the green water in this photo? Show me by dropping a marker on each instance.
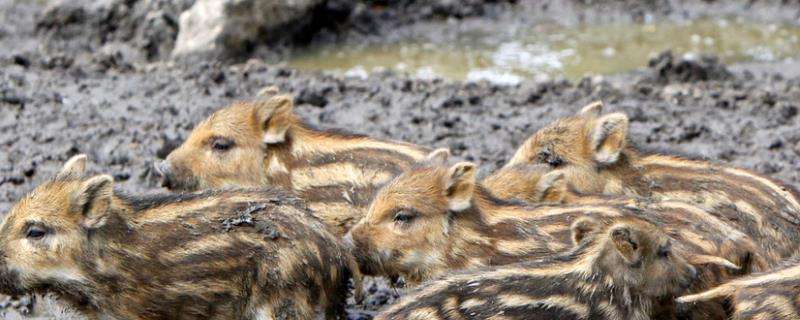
(552, 51)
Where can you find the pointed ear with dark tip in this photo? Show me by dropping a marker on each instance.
(459, 186)
(93, 200)
(582, 228)
(608, 137)
(267, 92)
(274, 113)
(73, 168)
(626, 243)
(592, 110)
(438, 157)
(551, 188)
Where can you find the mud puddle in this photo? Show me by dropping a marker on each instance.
(548, 50)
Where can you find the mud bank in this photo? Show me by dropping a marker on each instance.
(125, 118)
(125, 112)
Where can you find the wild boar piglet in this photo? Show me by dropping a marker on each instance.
(594, 154)
(228, 254)
(264, 143)
(629, 270)
(436, 218)
(773, 295)
(689, 224)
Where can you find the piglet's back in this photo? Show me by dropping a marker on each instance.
(233, 243)
(200, 227)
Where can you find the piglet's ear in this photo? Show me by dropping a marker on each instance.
(582, 228)
(459, 186)
(592, 110)
(73, 168)
(608, 137)
(551, 187)
(267, 92)
(626, 242)
(274, 113)
(93, 200)
(438, 157)
(719, 292)
(702, 259)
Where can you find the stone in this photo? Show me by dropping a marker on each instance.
(220, 27)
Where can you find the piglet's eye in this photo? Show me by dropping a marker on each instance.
(549, 158)
(663, 252)
(222, 144)
(403, 216)
(35, 233)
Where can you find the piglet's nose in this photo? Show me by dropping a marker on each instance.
(164, 170)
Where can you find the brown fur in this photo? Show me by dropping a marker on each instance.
(418, 227)
(232, 254)
(773, 295)
(593, 153)
(625, 271)
(528, 183)
(264, 143)
(685, 222)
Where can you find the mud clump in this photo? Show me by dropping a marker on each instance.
(22, 305)
(666, 68)
(243, 217)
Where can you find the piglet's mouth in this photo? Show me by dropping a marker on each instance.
(368, 266)
(10, 283)
(369, 262)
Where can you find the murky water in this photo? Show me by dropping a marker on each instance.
(550, 50)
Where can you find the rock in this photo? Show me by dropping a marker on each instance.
(224, 27)
(11, 97)
(150, 26)
(312, 97)
(61, 13)
(21, 60)
(788, 112)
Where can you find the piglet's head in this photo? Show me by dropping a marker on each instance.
(43, 236)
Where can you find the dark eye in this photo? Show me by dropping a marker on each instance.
(221, 144)
(36, 233)
(663, 252)
(403, 216)
(547, 157)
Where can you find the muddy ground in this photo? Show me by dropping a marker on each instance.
(124, 111)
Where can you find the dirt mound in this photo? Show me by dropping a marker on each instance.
(148, 28)
(665, 68)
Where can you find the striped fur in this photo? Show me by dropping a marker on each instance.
(593, 152)
(602, 278)
(688, 223)
(266, 144)
(230, 254)
(412, 231)
(773, 295)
